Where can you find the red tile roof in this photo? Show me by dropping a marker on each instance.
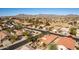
(2, 35)
(67, 42)
(18, 32)
(48, 38)
(17, 21)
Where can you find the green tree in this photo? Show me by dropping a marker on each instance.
(18, 26)
(26, 33)
(73, 31)
(13, 38)
(52, 47)
(1, 22)
(47, 23)
(8, 30)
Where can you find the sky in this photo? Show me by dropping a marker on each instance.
(34, 11)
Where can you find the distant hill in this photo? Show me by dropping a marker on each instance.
(47, 16)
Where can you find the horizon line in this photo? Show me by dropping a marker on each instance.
(39, 14)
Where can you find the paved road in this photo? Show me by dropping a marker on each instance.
(48, 32)
(24, 47)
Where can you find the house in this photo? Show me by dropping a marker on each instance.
(47, 28)
(18, 32)
(17, 21)
(34, 33)
(12, 33)
(27, 24)
(24, 37)
(65, 43)
(77, 34)
(64, 31)
(48, 38)
(77, 21)
(2, 35)
(61, 47)
(9, 25)
(3, 40)
(6, 42)
(62, 43)
(54, 31)
(0, 28)
(41, 26)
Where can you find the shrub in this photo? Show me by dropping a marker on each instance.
(73, 31)
(52, 47)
